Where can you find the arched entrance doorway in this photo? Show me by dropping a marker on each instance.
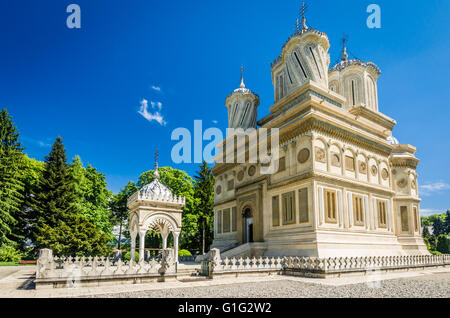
(247, 216)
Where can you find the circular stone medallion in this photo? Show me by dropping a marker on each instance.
(303, 155)
(251, 171)
(362, 167)
(218, 189)
(335, 160)
(384, 174)
(374, 170)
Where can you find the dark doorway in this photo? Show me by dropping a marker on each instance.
(248, 225)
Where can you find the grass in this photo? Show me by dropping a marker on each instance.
(9, 263)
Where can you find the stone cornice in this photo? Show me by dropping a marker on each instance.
(376, 117)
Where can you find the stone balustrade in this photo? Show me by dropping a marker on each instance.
(353, 264)
(53, 269)
(319, 266)
(162, 197)
(249, 264)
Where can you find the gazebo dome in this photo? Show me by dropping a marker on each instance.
(155, 188)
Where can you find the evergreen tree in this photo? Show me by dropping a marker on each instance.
(447, 222)
(60, 226)
(11, 187)
(438, 226)
(443, 244)
(204, 205)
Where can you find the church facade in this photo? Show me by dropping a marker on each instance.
(344, 185)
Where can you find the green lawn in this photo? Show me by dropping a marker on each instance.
(9, 263)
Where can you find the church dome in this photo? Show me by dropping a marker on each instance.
(242, 107)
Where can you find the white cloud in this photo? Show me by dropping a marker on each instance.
(430, 188)
(428, 212)
(156, 88)
(156, 116)
(43, 144)
(215, 121)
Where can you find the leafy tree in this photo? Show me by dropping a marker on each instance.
(11, 187)
(119, 209)
(204, 205)
(25, 228)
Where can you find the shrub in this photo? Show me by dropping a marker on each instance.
(9, 254)
(182, 253)
(443, 244)
(127, 257)
(435, 253)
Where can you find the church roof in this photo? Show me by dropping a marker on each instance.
(242, 90)
(346, 63)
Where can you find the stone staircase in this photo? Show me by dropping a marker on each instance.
(189, 272)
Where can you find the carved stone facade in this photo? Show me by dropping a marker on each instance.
(344, 186)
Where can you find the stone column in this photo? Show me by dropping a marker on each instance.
(141, 245)
(133, 248)
(175, 245)
(164, 238)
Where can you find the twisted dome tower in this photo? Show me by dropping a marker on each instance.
(356, 81)
(304, 58)
(242, 107)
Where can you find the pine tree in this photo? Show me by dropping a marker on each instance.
(447, 222)
(60, 226)
(11, 187)
(204, 200)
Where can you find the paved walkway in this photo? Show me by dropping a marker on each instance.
(17, 281)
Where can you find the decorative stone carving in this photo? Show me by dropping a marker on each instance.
(401, 183)
(251, 171)
(303, 155)
(374, 170)
(414, 184)
(320, 154)
(335, 160)
(240, 175)
(362, 167)
(167, 261)
(384, 174)
(219, 189)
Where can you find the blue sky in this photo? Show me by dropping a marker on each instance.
(185, 56)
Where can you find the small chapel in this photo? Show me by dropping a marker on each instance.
(344, 185)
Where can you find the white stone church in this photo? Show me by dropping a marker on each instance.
(344, 186)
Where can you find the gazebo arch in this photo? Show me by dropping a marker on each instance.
(154, 207)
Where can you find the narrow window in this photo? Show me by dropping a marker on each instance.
(404, 218)
(303, 205)
(349, 163)
(226, 221)
(353, 92)
(299, 63)
(288, 208)
(358, 212)
(219, 222)
(289, 73)
(330, 206)
(317, 66)
(233, 219)
(276, 210)
(382, 213)
(245, 113)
